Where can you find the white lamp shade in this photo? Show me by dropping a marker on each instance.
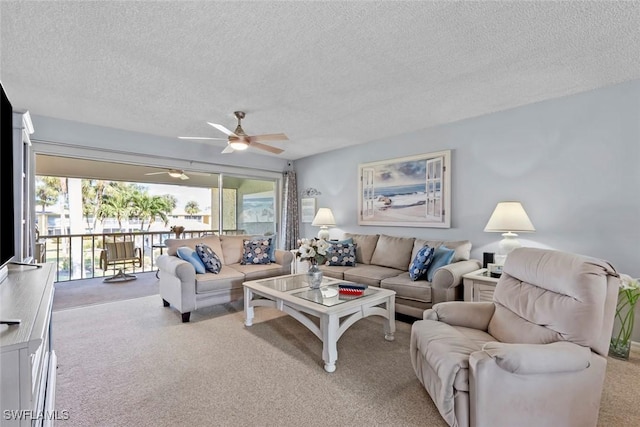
(324, 217)
(509, 217)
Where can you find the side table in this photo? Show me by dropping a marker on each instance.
(479, 285)
(162, 247)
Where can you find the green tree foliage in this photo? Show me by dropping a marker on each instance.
(192, 207)
(48, 190)
(147, 208)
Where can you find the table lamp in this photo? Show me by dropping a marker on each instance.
(324, 219)
(508, 218)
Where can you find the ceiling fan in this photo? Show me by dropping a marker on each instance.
(239, 140)
(177, 173)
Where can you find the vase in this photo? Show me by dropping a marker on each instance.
(620, 345)
(314, 276)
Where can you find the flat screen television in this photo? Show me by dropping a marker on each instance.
(7, 213)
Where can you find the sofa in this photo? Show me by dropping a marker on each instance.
(383, 261)
(186, 290)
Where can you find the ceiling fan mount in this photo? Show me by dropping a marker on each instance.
(178, 173)
(238, 140)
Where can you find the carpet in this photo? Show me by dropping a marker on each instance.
(77, 293)
(133, 362)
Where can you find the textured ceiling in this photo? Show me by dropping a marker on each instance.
(328, 74)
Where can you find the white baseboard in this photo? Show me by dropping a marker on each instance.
(635, 345)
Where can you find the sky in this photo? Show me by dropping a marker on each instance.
(183, 194)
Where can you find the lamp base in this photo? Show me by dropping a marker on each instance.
(509, 243)
(323, 233)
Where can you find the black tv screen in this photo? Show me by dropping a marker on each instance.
(7, 212)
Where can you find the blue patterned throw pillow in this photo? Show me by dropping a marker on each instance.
(342, 254)
(209, 258)
(256, 252)
(420, 264)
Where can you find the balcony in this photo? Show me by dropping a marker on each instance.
(77, 256)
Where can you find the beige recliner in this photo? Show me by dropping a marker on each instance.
(535, 356)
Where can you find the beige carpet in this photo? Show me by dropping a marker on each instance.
(77, 293)
(133, 362)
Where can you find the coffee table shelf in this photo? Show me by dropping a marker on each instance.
(286, 294)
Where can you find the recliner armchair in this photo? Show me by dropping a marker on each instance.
(535, 356)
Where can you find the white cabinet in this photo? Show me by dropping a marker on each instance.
(27, 359)
(479, 285)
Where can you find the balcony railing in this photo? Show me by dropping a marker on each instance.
(77, 256)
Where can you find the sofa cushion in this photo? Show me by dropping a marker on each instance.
(366, 245)
(408, 289)
(462, 250)
(420, 264)
(441, 256)
(227, 279)
(209, 258)
(342, 254)
(232, 248)
(259, 271)
(370, 274)
(256, 252)
(335, 271)
(189, 255)
(210, 240)
(393, 252)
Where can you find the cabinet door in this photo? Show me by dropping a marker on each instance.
(483, 292)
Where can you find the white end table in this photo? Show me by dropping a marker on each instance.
(479, 285)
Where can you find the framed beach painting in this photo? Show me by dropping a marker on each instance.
(406, 192)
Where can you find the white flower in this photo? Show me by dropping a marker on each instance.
(628, 282)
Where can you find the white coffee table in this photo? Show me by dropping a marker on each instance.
(291, 294)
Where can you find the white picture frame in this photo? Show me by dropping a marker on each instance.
(307, 209)
(410, 191)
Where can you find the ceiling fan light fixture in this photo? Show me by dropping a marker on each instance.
(175, 173)
(238, 145)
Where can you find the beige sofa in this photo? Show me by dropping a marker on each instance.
(384, 261)
(183, 288)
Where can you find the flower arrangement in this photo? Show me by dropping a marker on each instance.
(313, 250)
(628, 295)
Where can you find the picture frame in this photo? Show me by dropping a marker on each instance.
(412, 191)
(307, 209)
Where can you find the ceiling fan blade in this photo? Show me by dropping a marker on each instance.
(270, 137)
(155, 173)
(227, 150)
(222, 129)
(201, 137)
(183, 177)
(265, 147)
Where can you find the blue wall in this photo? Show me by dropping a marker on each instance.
(573, 162)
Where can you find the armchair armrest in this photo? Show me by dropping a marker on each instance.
(526, 359)
(474, 315)
(450, 275)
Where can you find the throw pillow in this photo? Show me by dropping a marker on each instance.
(209, 258)
(189, 255)
(441, 257)
(420, 264)
(256, 252)
(272, 245)
(342, 254)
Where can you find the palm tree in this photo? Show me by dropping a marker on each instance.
(146, 207)
(116, 203)
(192, 207)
